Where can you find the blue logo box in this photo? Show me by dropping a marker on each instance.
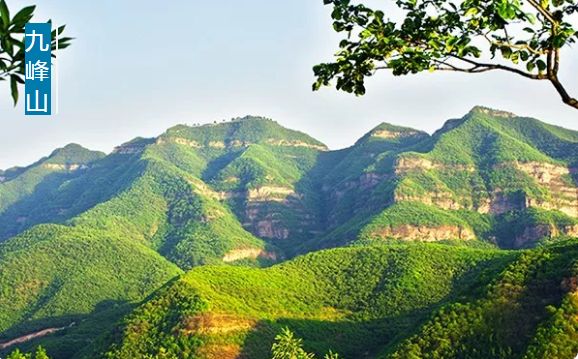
(38, 69)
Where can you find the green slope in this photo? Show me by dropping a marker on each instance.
(518, 316)
(20, 188)
(53, 276)
(368, 302)
(354, 300)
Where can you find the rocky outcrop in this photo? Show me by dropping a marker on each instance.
(556, 178)
(270, 193)
(534, 233)
(237, 143)
(248, 253)
(214, 326)
(217, 144)
(64, 167)
(386, 134)
(500, 202)
(295, 143)
(265, 223)
(423, 233)
(129, 149)
(184, 142)
(493, 113)
(407, 164)
(439, 199)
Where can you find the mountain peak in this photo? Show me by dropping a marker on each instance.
(74, 153)
(239, 131)
(482, 110)
(392, 133)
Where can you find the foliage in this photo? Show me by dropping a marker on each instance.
(39, 354)
(497, 325)
(12, 45)
(287, 346)
(527, 35)
(349, 299)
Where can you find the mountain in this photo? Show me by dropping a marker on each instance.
(474, 178)
(169, 226)
(130, 221)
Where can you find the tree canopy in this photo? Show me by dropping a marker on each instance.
(524, 37)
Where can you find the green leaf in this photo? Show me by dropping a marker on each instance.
(14, 88)
(471, 11)
(4, 14)
(541, 65)
(506, 52)
(23, 16)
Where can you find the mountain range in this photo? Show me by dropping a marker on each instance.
(206, 241)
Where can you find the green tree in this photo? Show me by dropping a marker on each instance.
(17, 354)
(40, 354)
(287, 346)
(523, 37)
(12, 45)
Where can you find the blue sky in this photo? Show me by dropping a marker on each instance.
(139, 67)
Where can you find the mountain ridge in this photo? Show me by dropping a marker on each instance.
(250, 192)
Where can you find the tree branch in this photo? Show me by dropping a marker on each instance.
(544, 12)
(488, 67)
(566, 98)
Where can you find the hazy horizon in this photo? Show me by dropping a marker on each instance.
(196, 62)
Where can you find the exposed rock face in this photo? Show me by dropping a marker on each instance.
(129, 149)
(248, 253)
(555, 178)
(295, 144)
(64, 167)
(407, 164)
(439, 199)
(275, 212)
(534, 233)
(494, 113)
(184, 142)
(217, 144)
(270, 193)
(213, 325)
(386, 134)
(423, 233)
(265, 223)
(499, 203)
(237, 143)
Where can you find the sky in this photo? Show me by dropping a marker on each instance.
(137, 68)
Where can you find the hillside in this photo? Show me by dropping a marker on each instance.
(481, 171)
(333, 298)
(366, 302)
(85, 237)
